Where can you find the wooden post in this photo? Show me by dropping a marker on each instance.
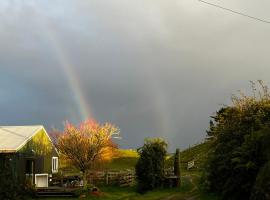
(62, 178)
(107, 178)
(177, 170)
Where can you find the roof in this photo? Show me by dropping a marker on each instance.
(12, 138)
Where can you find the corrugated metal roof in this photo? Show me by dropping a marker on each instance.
(12, 138)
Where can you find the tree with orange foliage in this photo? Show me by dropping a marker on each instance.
(87, 144)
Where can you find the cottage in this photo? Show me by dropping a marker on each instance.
(29, 152)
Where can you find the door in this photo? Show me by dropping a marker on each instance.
(29, 170)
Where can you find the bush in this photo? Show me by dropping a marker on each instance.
(83, 190)
(10, 188)
(150, 166)
(79, 191)
(241, 148)
(261, 190)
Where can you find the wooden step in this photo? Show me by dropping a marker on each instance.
(54, 192)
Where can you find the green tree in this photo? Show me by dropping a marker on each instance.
(151, 163)
(261, 190)
(240, 137)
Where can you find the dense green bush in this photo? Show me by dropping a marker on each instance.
(10, 188)
(241, 146)
(151, 163)
(261, 190)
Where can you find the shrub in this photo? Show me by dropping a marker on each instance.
(261, 190)
(83, 190)
(10, 188)
(241, 148)
(150, 166)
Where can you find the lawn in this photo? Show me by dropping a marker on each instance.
(126, 159)
(188, 191)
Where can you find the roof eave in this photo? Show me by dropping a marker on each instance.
(8, 151)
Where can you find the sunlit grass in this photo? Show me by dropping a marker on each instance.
(186, 191)
(127, 158)
(123, 160)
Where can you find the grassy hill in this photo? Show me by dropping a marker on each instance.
(197, 153)
(127, 158)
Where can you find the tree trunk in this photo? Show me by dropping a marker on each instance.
(84, 180)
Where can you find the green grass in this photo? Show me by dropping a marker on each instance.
(126, 159)
(130, 153)
(126, 194)
(187, 190)
(198, 153)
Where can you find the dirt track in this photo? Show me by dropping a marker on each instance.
(185, 196)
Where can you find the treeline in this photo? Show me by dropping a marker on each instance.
(238, 166)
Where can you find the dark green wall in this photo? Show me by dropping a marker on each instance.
(41, 148)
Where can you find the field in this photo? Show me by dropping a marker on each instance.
(127, 158)
(190, 178)
(188, 191)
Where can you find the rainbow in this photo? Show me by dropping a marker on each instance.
(66, 66)
(160, 101)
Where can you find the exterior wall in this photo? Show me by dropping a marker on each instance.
(41, 150)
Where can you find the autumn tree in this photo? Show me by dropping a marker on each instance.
(87, 144)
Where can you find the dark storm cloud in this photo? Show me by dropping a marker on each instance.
(154, 68)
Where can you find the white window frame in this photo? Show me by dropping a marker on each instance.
(55, 165)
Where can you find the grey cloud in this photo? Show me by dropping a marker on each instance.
(154, 68)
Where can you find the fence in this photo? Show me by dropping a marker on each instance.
(121, 178)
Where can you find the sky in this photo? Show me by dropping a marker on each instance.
(154, 68)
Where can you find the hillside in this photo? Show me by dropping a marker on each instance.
(127, 158)
(198, 153)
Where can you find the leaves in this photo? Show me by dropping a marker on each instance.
(150, 166)
(241, 141)
(87, 144)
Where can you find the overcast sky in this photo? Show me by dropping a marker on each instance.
(155, 68)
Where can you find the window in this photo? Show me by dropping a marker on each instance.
(54, 164)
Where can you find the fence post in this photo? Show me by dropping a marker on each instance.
(107, 178)
(177, 170)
